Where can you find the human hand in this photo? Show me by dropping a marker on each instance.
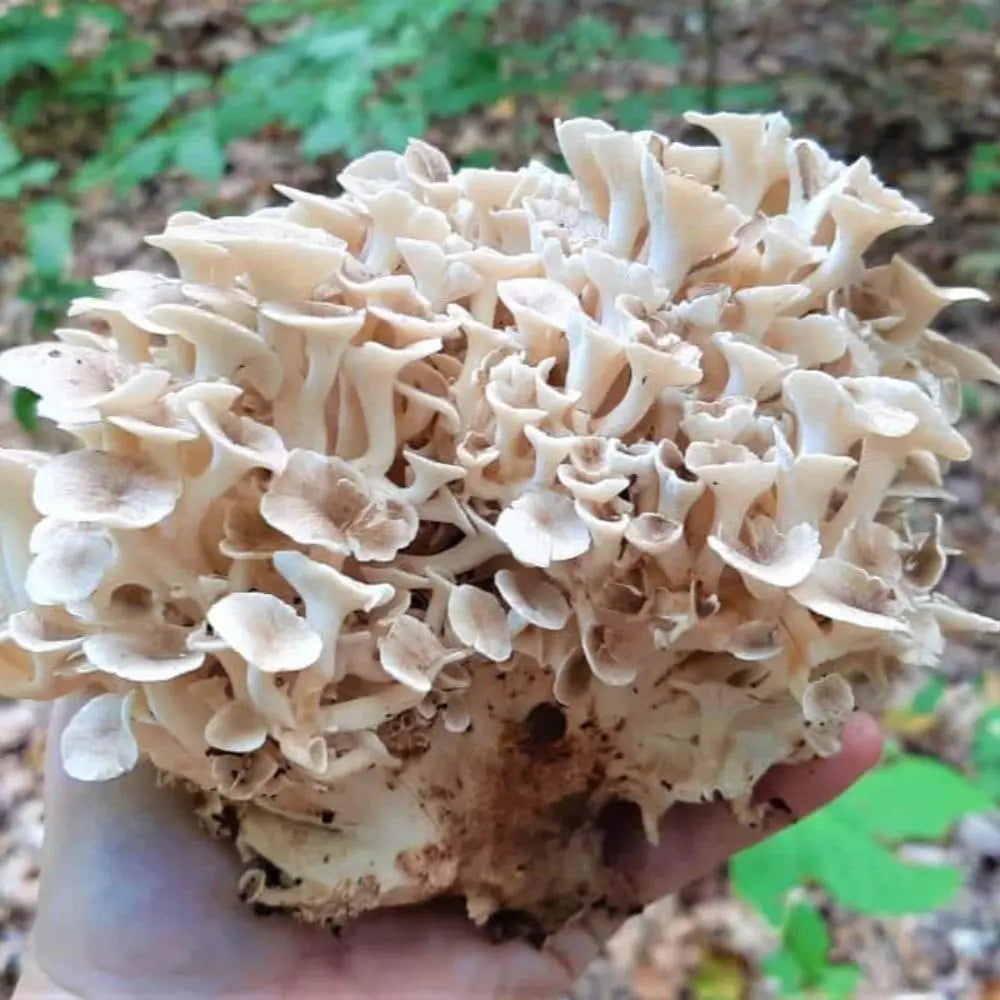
(136, 902)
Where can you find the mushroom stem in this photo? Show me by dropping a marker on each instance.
(330, 597)
(595, 361)
(880, 461)
(327, 331)
(653, 370)
(372, 369)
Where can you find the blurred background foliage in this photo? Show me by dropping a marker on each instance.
(116, 114)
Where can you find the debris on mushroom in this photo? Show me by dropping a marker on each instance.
(412, 526)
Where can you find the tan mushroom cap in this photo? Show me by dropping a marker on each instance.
(843, 592)
(74, 380)
(97, 743)
(541, 528)
(533, 598)
(265, 631)
(327, 502)
(478, 620)
(70, 561)
(104, 488)
(236, 727)
(154, 654)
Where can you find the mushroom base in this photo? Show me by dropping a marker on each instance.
(507, 815)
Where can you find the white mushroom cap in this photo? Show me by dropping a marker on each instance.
(104, 488)
(265, 631)
(159, 654)
(97, 743)
(70, 561)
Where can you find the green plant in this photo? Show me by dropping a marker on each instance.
(986, 752)
(848, 848)
(919, 27)
(802, 965)
(984, 168)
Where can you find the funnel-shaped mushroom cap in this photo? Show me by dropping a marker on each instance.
(154, 654)
(70, 561)
(73, 382)
(265, 631)
(543, 528)
(327, 502)
(772, 558)
(97, 743)
(845, 593)
(478, 620)
(104, 488)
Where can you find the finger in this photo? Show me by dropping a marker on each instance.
(695, 839)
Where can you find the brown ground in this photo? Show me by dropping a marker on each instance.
(918, 117)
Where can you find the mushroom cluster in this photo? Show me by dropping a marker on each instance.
(414, 527)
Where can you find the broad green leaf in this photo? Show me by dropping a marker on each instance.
(847, 846)
(337, 46)
(241, 114)
(986, 752)
(24, 405)
(806, 937)
(49, 236)
(590, 34)
(199, 153)
(146, 99)
(587, 103)
(781, 965)
(912, 797)
(746, 96)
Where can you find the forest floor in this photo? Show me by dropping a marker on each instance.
(918, 118)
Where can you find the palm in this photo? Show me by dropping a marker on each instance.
(137, 902)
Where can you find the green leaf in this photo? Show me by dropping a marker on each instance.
(635, 112)
(746, 96)
(839, 982)
(781, 965)
(847, 846)
(49, 231)
(199, 153)
(652, 48)
(34, 173)
(587, 103)
(24, 406)
(330, 135)
(146, 99)
(10, 155)
(144, 160)
(337, 46)
(928, 697)
(806, 937)
(911, 798)
(590, 34)
(986, 752)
